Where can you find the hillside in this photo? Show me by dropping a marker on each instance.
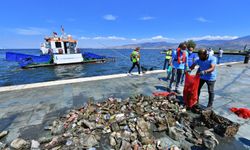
(236, 44)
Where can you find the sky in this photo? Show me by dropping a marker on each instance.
(104, 23)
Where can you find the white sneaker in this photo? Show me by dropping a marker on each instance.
(141, 74)
(129, 74)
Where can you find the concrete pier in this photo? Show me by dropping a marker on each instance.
(27, 108)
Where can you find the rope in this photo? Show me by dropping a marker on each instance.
(124, 56)
(114, 51)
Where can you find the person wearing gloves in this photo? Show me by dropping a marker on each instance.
(191, 59)
(207, 73)
(179, 63)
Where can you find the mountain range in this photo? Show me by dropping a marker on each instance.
(235, 44)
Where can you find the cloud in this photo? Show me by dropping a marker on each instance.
(210, 37)
(109, 38)
(31, 31)
(110, 17)
(114, 38)
(155, 39)
(118, 38)
(145, 18)
(202, 19)
(159, 37)
(84, 38)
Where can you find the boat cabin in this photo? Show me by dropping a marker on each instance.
(59, 45)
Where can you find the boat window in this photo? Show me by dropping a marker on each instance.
(58, 44)
(47, 45)
(72, 46)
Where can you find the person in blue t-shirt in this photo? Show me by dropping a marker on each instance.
(207, 73)
(179, 63)
(191, 59)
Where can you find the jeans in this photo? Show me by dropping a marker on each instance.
(133, 66)
(218, 60)
(210, 85)
(178, 73)
(166, 63)
(182, 78)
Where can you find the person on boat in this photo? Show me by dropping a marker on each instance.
(167, 58)
(135, 59)
(191, 59)
(207, 73)
(179, 62)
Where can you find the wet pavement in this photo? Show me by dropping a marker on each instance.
(23, 112)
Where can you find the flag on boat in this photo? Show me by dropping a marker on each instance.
(54, 33)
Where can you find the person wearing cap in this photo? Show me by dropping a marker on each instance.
(179, 63)
(207, 73)
(135, 58)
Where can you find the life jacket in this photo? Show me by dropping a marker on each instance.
(168, 54)
(179, 60)
(135, 56)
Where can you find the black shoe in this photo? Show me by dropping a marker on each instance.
(196, 109)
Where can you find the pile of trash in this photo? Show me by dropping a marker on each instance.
(127, 124)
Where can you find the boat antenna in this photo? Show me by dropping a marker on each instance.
(62, 30)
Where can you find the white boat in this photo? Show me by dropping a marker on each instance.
(56, 51)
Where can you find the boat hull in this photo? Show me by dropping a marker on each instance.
(53, 64)
(31, 61)
(67, 58)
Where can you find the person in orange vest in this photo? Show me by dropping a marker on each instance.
(179, 63)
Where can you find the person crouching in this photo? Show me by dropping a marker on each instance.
(207, 73)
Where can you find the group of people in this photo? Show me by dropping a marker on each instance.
(183, 60)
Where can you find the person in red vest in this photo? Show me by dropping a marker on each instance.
(179, 63)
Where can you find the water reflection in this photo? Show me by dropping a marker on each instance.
(69, 71)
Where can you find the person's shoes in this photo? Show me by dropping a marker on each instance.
(129, 74)
(140, 74)
(196, 109)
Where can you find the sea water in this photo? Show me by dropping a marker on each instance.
(12, 74)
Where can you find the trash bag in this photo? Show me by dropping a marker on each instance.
(164, 94)
(241, 112)
(190, 92)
